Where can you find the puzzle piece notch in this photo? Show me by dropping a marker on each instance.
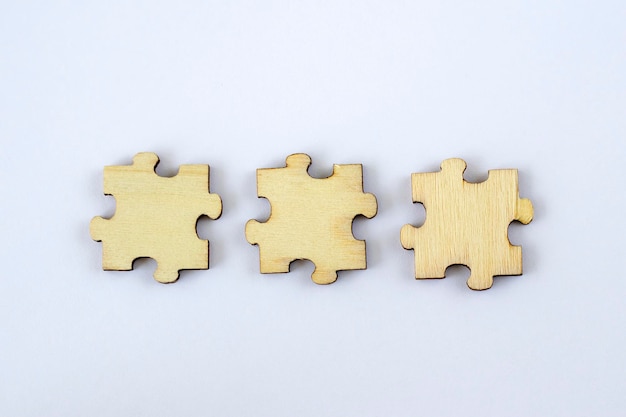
(156, 217)
(311, 218)
(466, 223)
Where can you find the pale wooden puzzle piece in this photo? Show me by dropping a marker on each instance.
(311, 218)
(466, 224)
(156, 217)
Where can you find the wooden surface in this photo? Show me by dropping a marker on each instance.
(156, 217)
(311, 218)
(466, 224)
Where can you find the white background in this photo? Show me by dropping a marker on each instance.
(397, 86)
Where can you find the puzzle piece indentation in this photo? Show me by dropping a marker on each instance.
(466, 224)
(311, 218)
(156, 217)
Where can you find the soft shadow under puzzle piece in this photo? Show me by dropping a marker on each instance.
(311, 218)
(466, 224)
(156, 217)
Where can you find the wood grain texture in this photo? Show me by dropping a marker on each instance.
(311, 218)
(466, 224)
(156, 217)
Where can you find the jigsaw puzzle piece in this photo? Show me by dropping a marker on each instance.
(156, 217)
(466, 224)
(311, 218)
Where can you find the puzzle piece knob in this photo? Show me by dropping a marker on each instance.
(166, 274)
(324, 276)
(524, 211)
(455, 165)
(146, 160)
(479, 279)
(299, 160)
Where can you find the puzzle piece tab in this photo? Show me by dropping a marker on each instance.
(156, 217)
(311, 218)
(466, 224)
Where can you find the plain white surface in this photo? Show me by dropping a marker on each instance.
(396, 86)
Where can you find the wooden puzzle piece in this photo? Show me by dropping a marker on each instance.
(156, 217)
(311, 218)
(466, 224)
